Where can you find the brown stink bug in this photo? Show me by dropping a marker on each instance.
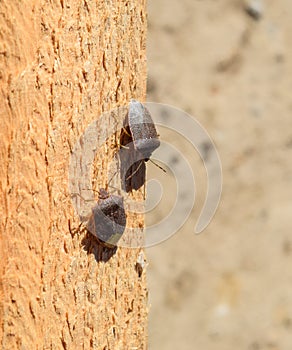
(108, 219)
(139, 140)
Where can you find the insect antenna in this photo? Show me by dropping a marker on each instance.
(158, 166)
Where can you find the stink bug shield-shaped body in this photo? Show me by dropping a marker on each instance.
(142, 129)
(108, 219)
(141, 139)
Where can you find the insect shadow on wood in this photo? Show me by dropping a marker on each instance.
(100, 251)
(138, 140)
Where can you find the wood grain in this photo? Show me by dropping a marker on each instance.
(62, 64)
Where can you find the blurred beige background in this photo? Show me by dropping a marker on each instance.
(231, 286)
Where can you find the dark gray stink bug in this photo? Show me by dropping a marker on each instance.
(108, 219)
(142, 129)
(140, 139)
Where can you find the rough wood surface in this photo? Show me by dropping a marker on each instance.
(62, 64)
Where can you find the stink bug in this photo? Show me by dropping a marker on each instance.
(139, 140)
(108, 219)
(142, 129)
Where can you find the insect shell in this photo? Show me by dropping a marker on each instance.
(142, 128)
(108, 219)
(139, 139)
